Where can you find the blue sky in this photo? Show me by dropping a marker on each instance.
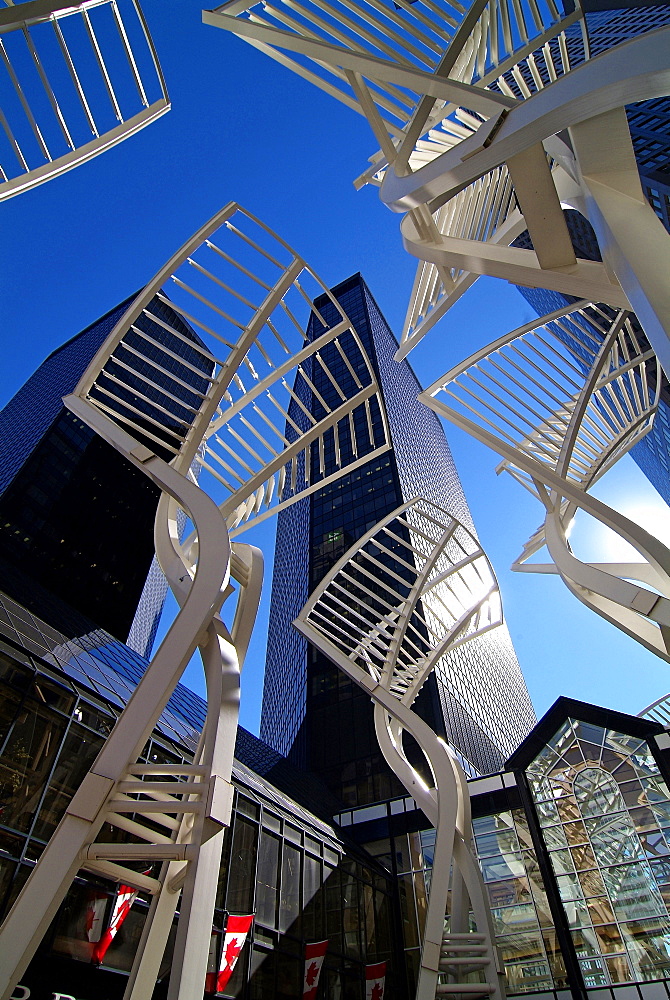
(242, 128)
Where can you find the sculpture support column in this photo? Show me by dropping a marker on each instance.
(632, 238)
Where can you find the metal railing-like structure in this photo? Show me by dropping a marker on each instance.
(74, 81)
(230, 381)
(412, 589)
(468, 100)
(562, 400)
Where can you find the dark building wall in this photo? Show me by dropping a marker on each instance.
(283, 860)
(76, 520)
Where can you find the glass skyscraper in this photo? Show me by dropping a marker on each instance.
(76, 519)
(311, 713)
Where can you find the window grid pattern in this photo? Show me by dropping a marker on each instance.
(604, 812)
(480, 700)
(279, 860)
(59, 482)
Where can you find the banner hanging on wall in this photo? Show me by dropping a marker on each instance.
(314, 956)
(237, 928)
(375, 976)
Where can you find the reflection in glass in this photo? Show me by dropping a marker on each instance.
(618, 916)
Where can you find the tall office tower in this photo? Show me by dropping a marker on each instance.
(478, 698)
(76, 520)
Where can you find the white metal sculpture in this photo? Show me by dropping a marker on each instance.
(409, 591)
(561, 400)
(74, 81)
(524, 75)
(248, 296)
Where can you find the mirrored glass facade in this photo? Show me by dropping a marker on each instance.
(76, 519)
(310, 711)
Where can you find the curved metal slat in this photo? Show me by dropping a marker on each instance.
(74, 81)
(409, 591)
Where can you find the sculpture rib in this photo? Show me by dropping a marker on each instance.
(48, 132)
(408, 592)
(523, 77)
(241, 417)
(561, 400)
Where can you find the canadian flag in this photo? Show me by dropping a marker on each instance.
(237, 929)
(125, 897)
(95, 916)
(314, 956)
(374, 981)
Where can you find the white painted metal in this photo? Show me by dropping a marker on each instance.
(562, 400)
(413, 70)
(74, 81)
(413, 588)
(249, 297)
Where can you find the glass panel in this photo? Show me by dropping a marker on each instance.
(648, 946)
(239, 898)
(497, 868)
(75, 759)
(561, 862)
(644, 819)
(661, 812)
(609, 938)
(509, 892)
(500, 842)
(569, 887)
(614, 839)
(289, 977)
(555, 957)
(526, 966)
(600, 910)
(583, 857)
(289, 906)
(633, 891)
(568, 809)
(262, 978)
(351, 917)
(597, 792)
(26, 762)
(594, 973)
(619, 969)
(594, 734)
(267, 878)
(577, 913)
(592, 884)
(575, 833)
(555, 836)
(515, 919)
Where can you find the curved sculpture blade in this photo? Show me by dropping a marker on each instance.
(291, 400)
(404, 596)
(74, 81)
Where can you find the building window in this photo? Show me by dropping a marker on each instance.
(604, 812)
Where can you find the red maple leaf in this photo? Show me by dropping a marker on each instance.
(377, 992)
(311, 974)
(233, 948)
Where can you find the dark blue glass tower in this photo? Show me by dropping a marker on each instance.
(478, 698)
(76, 520)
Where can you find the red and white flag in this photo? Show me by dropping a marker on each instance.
(314, 956)
(95, 916)
(235, 935)
(125, 897)
(375, 976)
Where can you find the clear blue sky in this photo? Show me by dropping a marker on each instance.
(242, 128)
